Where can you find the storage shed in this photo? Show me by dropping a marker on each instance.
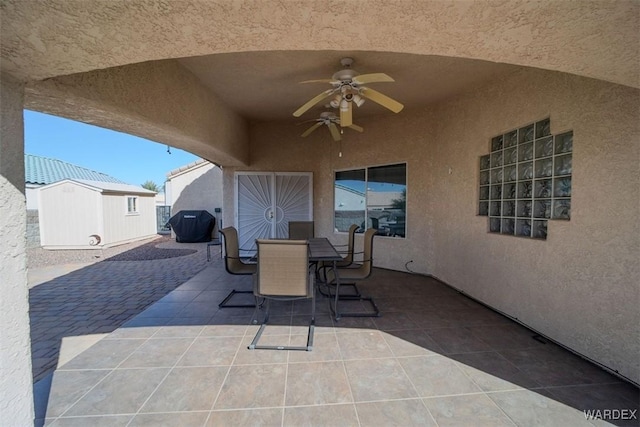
(80, 214)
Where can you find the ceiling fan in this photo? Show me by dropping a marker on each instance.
(329, 119)
(348, 89)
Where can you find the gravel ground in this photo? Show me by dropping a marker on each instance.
(159, 247)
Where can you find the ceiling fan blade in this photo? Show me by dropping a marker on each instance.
(307, 121)
(356, 128)
(320, 81)
(311, 129)
(381, 99)
(346, 115)
(335, 133)
(372, 78)
(312, 102)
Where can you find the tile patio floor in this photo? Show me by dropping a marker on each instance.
(100, 297)
(434, 358)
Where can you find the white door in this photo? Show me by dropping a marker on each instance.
(266, 202)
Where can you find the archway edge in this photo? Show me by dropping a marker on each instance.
(51, 38)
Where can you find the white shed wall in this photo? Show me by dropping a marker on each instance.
(120, 227)
(69, 214)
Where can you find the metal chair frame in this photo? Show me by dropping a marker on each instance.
(347, 261)
(360, 273)
(283, 276)
(236, 265)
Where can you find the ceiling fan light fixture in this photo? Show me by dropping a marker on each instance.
(349, 86)
(358, 100)
(333, 123)
(335, 102)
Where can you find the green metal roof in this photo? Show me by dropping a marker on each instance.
(42, 171)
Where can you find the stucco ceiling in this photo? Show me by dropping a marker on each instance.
(255, 52)
(263, 86)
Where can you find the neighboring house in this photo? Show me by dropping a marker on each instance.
(81, 214)
(42, 172)
(196, 186)
(160, 199)
(348, 199)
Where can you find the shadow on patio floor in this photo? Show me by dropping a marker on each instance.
(434, 357)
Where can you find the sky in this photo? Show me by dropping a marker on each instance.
(126, 157)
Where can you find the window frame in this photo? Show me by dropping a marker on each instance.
(136, 205)
(366, 198)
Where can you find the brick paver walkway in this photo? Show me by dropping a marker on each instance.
(99, 298)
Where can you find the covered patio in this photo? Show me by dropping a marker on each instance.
(220, 79)
(434, 358)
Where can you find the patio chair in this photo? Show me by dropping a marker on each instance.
(284, 275)
(347, 261)
(354, 274)
(234, 264)
(301, 230)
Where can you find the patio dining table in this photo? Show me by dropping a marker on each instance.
(321, 250)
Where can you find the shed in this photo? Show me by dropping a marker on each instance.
(40, 171)
(81, 214)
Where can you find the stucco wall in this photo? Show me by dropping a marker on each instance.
(48, 38)
(578, 287)
(161, 101)
(16, 395)
(199, 188)
(51, 38)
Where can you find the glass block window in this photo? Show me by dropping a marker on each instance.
(525, 180)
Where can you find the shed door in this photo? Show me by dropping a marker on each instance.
(266, 202)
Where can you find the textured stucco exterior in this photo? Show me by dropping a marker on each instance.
(16, 402)
(161, 101)
(579, 287)
(74, 36)
(196, 188)
(112, 63)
